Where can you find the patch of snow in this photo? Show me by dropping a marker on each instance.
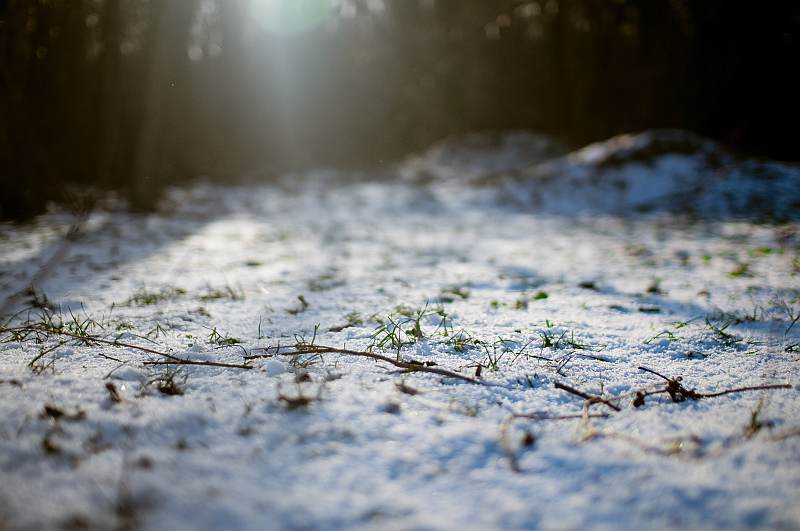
(275, 367)
(658, 171)
(338, 441)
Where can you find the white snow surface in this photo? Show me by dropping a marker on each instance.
(708, 299)
(661, 170)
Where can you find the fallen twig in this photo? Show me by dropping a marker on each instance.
(786, 435)
(409, 366)
(544, 416)
(593, 399)
(44, 352)
(679, 393)
(180, 361)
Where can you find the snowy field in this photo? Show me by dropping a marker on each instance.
(512, 304)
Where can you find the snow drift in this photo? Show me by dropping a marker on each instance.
(654, 171)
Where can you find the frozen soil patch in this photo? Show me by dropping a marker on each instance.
(143, 388)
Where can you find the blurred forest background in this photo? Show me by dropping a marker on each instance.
(137, 94)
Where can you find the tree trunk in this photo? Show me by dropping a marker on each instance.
(165, 66)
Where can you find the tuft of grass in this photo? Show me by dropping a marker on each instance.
(326, 281)
(352, 319)
(462, 341)
(171, 382)
(43, 324)
(156, 332)
(756, 424)
(303, 361)
(124, 326)
(201, 311)
(522, 301)
(683, 324)
(548, 336)
(38, 300)
(227, 292)
(494, 353)
(408, 326)
(143, 297)
(720, 331)
(222, 340)
(763, 251)
(450, 294)
(666, 334)
(742, 269)
(559, 338)
(392, 334)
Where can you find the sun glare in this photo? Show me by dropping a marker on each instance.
(288, 17)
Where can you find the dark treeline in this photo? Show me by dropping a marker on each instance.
(135, 94)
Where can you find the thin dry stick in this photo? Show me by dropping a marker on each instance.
(406, 365)
(592, 357)
(540, 416)
(786, 435)
(742, 389)
(594, 399)
(651, 371)
(179, 361)
(45, 352)
(679, 393)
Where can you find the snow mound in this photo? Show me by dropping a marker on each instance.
(473, 157)
(660, 171)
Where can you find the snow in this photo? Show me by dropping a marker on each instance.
(661, 170)
(379, 449)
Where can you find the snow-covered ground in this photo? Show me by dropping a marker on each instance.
(475, 276)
